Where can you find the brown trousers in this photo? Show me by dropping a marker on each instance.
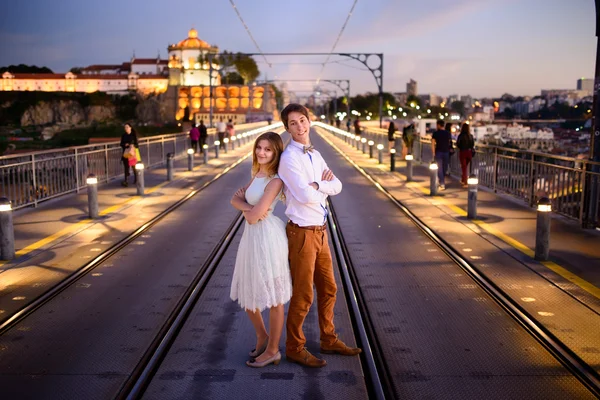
(310, 260)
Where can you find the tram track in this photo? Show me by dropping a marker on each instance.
(557, 348)
(12, 320)
(155, 353)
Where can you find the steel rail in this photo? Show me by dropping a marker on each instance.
(589, 377)
(145, 370)
(378, 373)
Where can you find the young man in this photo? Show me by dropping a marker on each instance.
(308, 181)
(221, 129)
(441, 142)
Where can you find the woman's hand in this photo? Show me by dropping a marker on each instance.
(241, 193)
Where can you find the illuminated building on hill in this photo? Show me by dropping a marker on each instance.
(184, 78)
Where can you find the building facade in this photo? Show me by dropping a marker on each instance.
(187, 78)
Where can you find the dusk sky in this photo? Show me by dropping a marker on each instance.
(477, 47)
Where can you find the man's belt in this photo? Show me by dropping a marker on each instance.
(310, 227)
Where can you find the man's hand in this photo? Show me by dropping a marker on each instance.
(314, 185)
(327, 175)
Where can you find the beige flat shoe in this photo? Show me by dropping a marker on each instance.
(272, 360)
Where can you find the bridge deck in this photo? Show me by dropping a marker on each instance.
(440, 333)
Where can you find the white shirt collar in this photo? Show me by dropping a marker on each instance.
(297, 145)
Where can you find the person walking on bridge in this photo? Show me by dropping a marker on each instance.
(203, 135)
(441, 143)
(221, 129)
(261, 278)
(129, 139)
(466, 148)
(307, 183)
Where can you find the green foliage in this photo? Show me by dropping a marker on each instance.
(246, 67)
(278, 96)
(76, 70)
(413, 99)
(25, 69)
(233, 78)
(458, 106)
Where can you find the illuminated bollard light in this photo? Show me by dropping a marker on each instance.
(226, 141)
(392, 160)
(232, 140)
(7, 230)
(472, 182)
(205, 153)
(433, 179)
(217, 145)
(542, 230)
(346, 137)
(170, 166)
(364, 145)
(380, 153)
(92, 193)
(190, 159)
(409, 167)
(139, 170)
(357, 141)
(239, 139)
(371, 144)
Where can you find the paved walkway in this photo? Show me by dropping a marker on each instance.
(507, 223)
(57, 238)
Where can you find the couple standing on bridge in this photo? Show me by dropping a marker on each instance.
(277, 263)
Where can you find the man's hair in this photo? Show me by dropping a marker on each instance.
(440, 122)
(293, 107)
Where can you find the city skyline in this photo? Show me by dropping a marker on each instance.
(479, 48)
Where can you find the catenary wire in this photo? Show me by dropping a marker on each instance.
(337, 40)
(248, 31)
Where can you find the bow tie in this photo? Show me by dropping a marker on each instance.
(308, 148)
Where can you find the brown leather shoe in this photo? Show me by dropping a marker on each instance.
(340, 347)
(305, 358)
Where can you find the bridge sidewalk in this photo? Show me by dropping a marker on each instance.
(508, 224)
(57, 238)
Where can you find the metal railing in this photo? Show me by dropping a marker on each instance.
(27, 179)
(568, 182)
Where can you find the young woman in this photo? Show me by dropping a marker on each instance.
(261, 278)
(129, 138)
(466, 147)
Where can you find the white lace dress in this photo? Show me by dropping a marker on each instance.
(261, 278)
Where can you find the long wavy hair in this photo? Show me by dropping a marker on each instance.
(277, 146)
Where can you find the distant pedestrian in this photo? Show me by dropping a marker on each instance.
(357, 127)
(466, 147)
(441, 141)
(203, 135)
(129, 142)
(448, 127)
(194, 138)
(348, 124)
(391, 132)
(221, 129)
(230, 129)
(408, 137)
(337, 123)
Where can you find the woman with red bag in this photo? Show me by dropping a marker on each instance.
(129, 144)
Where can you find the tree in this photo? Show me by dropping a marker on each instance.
(458, 106)
(246, 67)
(233, 78)
(76, 70)
(413, 100)
(25, 69)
